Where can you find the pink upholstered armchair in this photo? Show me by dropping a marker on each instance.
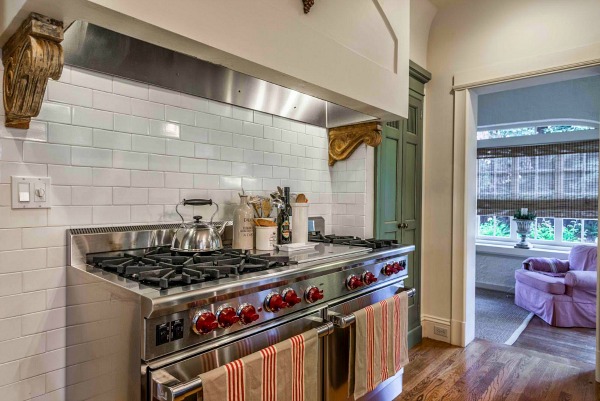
(561, 298)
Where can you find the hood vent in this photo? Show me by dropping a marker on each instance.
(98, 49)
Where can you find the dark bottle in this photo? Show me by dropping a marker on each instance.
(284, 220)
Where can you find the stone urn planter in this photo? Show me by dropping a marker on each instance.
(523, 229)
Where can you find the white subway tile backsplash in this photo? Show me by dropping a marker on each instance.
(143, 108)
(110, 102)
(69, 215)
(163, 196)
(25, 389)
(46, 153)
(91, 79)
(220, 138)
(207, 120)
(110, 214)
(128, 88)
(265, 145)
(251, 156)
(130, 160)
(272, 133)
(219, 167)
(129, 154)
(148, 144)
(263, 118)
(178, 180)
(231, 125)
(13, 218)
(272, 159)
(163, 163)
(179, 115)
(194, 134)
(54, 112)
(242, 169)
(91, 157)
(289, 136)
(146, 213)
(131, 124)
(243, 142)
(109, 177)
(21, 304)
(67, 175)
(240, 113)
(189, 165)
(69, 134)
(60, 195)
(65, 93)
(254, 130)
(92, 118)
(220, 109)
(180, 148)
(193, 102)
(112, 140)
(148, 179)
(232, 154)
(161, 95)
(11, 150)
(164, 129)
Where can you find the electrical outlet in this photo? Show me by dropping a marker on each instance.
(440, 331)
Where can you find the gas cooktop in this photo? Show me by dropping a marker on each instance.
(352, 241)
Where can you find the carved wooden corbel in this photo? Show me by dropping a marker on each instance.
(31, 56)
(307, 5)
(343, 141)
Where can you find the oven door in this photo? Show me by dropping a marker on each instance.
(338, 359)
(176, 378)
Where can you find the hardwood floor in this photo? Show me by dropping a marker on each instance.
(492, 372)
(572, 343)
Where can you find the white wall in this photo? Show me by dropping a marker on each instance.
(350, 55)
(422, 13)
(121, 152)
(468, 35)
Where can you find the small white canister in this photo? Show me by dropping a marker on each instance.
(266, 238)
(299, 223)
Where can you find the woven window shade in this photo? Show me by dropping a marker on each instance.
(551, 180)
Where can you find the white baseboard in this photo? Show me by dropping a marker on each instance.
(431, 323)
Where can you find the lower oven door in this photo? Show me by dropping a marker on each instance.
(338, 361)
(176, 378)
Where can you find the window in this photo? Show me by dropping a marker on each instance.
(555, 178)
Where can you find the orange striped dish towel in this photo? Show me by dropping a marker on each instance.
(381, 347)
(282, 372)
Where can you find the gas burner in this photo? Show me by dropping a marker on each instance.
(351, 240)
(159, 267)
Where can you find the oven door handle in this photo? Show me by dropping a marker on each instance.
(342, 321)
(162, 390)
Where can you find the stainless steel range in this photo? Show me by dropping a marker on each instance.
(160, 318)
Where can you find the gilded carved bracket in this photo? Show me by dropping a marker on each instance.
(343, 141)
(31, 56)
(307, 5)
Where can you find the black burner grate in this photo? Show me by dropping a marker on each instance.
(351, 240)
(159, 267)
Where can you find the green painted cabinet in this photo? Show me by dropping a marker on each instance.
(398, 189)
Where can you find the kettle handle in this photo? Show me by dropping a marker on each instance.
(197, 202)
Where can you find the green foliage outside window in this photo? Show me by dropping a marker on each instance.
(572, 230)
(544, 229)
(494, 227)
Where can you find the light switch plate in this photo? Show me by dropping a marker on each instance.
(30, 192)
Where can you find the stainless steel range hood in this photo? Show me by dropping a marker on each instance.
(98, 49)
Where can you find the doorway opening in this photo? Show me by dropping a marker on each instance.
(537, 202)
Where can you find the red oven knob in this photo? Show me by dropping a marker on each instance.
(369, 278)
(388, 270)
(313, 294)
(353, 282)
(397, 268)
(274, 302)
(247, 314)
(227, 316)
(204, 322)
(290, 297)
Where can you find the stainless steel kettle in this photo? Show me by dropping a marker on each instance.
(198, 236)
